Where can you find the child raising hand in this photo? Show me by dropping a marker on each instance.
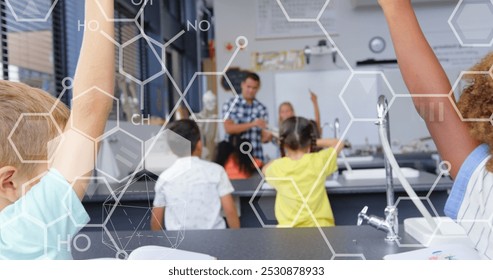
(465, 145)
(307, 170)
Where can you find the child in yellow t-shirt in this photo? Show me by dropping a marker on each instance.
(300, 175)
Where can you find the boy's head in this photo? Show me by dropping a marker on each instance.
(476, 102)
(32, 132)
(189, 130)
(297, 133)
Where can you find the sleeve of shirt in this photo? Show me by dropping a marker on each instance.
(328, 159)
(462, 179)
(159, 197)
(272, 171)
(224, 187)
(269, 172)
(265, 114)
(41, 224)
(226, 108)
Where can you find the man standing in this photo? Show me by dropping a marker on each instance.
(248, 116)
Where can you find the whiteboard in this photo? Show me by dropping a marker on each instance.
(294, 87)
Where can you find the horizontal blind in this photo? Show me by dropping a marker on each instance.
(29, 42)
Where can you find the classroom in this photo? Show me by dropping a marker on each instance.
(246, 130)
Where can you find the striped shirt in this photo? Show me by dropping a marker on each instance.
(471, 201)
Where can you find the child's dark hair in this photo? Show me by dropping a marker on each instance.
(232, 147)
(187, 129)
(297, 133)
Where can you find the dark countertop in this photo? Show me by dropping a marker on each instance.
(144, 190)
(424, 182)
(421, 161)
(343, 242)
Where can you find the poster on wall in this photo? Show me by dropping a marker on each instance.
(272, 20)
(280, 60)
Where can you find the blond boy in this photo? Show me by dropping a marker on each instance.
(40, 204)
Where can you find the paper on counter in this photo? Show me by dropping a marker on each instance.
(442, 252)
(152, 252)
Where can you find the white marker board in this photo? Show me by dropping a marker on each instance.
(360, 95)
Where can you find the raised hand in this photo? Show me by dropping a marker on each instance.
(313, 97)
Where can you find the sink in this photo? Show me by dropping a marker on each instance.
(377, 173)
(450, 232)
(451, 243)
(355, 159)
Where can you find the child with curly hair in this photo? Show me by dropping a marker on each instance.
(465, 143)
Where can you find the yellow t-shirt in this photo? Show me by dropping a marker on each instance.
(305, 173)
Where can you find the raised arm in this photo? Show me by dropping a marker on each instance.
(423, 75)
(316, 110)
(330, 143)
(90, 107)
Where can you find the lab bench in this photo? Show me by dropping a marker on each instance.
(342, 242)
(422, 161)
(347, 198)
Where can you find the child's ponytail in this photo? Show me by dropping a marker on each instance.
(281, 146)
(313, 145)
(297, 133)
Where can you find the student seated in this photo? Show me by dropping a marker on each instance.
(308, 170)
(191, 192)
(465, 145)
(40, 207)
(237, 164)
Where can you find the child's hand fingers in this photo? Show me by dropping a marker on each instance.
(313, 96)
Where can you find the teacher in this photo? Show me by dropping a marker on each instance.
(248, 117)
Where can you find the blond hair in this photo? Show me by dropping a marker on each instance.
(280, 106)
(26, 110)
(476, 102)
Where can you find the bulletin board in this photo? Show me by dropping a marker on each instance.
(273, 23)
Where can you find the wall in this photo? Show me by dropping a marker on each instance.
(354, 28)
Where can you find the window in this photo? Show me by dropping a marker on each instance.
(27, 45)
(174, 9)
(127, 91)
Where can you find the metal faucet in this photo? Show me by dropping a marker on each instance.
(390, 224)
